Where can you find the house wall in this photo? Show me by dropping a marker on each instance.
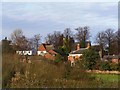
(24, 52)
(41, 53)
(72, 57)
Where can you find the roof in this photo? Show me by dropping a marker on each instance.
(75, 44)
(46, 47)
(42, 48)
(111, 56)
(96, 47)
(78, 51)
(52, 52)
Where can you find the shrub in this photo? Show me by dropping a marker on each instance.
(119, 66)
(105, 65)
(41, 74)
(58, 58)
(114, 66)
(90, 58)
(8, 68)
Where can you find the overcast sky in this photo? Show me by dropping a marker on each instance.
(43, 18)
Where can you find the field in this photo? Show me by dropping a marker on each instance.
(108, 80)
(42, 73)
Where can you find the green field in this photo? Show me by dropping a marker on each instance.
(108, 80)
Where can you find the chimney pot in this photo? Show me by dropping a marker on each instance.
(78, 46)
(88, 45)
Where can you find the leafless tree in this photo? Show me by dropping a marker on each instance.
(118, 41)
(82, 34)
(100, 39)
(36, 40)
(16, 34)
(19, 41)
(109, 37)
(108, 40)
(54, 39)
(68, 33)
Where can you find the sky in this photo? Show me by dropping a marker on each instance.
(45, 17)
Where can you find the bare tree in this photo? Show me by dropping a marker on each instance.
(16, 34)
(82, 34)
(118, 38)
(19, 41)
(36, 40)
(109, 36)
(55, 39)
(100, 39)
(115, 46)
(107, 40)
(68, 33)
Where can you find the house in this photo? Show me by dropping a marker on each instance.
(47, 51)
(24, 52)
(77, 54)
(44, 48)
(112, 58)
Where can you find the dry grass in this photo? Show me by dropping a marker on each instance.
(43, 73)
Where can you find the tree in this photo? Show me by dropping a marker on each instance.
(19, 41)
(82, 35)
(55, 39)
(108, 40)
(68, 40)
(109, 37)
(16, 34)
(35, 41)
(104, 65)
(90, 58)
(114, 45)
(100, 39)
(118, 40)
(68, 33)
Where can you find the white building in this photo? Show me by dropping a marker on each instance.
(24, 52)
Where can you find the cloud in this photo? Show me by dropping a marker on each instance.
(47, 17)
(107, 6)
(32, 12)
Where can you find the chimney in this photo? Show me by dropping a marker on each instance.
(88, 45)
(78, 46)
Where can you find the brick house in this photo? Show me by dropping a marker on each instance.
(77, 54)
(47, 51)
(112, 58)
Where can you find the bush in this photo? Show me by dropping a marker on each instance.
(8, 68)
(58, 58)
(90, 58)
(105, 65)
(114, 66)
(43, 74)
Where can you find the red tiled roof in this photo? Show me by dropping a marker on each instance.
(52, 52)
(42, 48)
(45, 47)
